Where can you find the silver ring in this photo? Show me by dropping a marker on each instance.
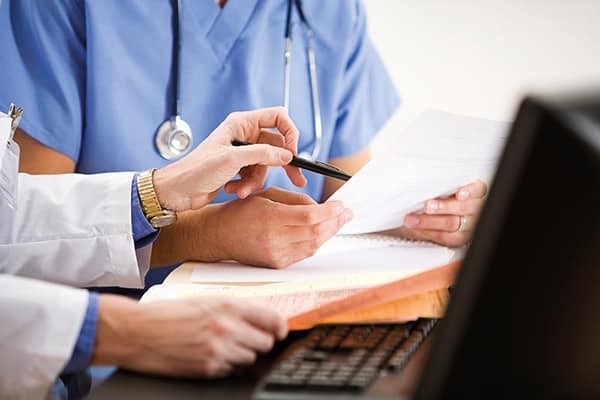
(461, 224)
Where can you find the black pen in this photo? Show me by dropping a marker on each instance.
(310, 165)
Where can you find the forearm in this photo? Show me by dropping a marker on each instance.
(351, 164)
(37, 158)
(193, 237)
(116, 338)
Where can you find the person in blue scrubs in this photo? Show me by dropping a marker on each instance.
(95, 79)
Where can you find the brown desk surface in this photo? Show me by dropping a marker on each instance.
(129, 385)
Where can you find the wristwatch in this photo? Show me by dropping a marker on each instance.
(155, 214)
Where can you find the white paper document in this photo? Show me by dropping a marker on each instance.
(350, 261)
(440, 135)
(441, 153)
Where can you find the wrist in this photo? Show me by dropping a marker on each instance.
(162, 186)
(213, 246)
(202, 237)
(157, 215)
(170, 195)
(116, 331)
(194, 237)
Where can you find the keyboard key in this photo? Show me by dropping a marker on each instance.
(376, 359)
(308, 366)
(298, 354)
(301, 375)
(366, 371)
(343, 375)
(360, 382)
(285, 381)
(328, 366)
(288, 366)
(330, 343)
(324, 384)
(316, 356)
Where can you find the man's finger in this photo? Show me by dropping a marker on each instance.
(276, 139)
(260, 154)
(250, 123)
(263, 318)
(254, 338)
(475, 190)
(246, 186)
(318, 233)
(296, 176)
(446, 223)
(253, 178)
(269, 137)
(453, 207)
(239, 355)
(450, 239)
(307, 215)
(287, 197)
(210, 369)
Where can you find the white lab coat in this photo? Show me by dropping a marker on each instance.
(69, 229)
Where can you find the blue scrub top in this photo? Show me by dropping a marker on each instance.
(94, 76)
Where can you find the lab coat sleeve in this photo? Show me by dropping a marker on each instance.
(73, 229)
(39, 326)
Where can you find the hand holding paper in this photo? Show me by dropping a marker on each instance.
(440, 154)
(449, 221)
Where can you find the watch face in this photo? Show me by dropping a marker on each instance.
(163, 220)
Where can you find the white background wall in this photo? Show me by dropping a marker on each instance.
(479, 57)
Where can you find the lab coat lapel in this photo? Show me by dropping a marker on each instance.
(228, 25)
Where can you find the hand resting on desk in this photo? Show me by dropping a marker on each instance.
(195, 337)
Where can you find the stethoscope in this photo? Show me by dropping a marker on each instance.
(174, 137)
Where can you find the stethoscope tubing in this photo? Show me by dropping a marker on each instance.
(177, 126)
(312, 73)
(176, 111)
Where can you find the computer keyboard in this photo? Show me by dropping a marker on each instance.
(344, 358)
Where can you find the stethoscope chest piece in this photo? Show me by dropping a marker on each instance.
(173, 138)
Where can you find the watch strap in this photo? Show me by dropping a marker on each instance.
(155, 214)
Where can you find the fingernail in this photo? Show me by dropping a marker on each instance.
(285, 156)
(463, 194)
(284, 332)
(348, 215)
(433, 206)
(338, 207)
(411, 221)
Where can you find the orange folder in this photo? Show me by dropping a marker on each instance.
(421, 295)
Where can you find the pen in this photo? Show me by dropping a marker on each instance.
(310, 165)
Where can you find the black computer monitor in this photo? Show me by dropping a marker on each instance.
(524, 318)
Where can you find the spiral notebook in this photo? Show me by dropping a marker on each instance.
(344, 261)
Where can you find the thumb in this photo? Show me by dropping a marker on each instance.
(262, 154)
